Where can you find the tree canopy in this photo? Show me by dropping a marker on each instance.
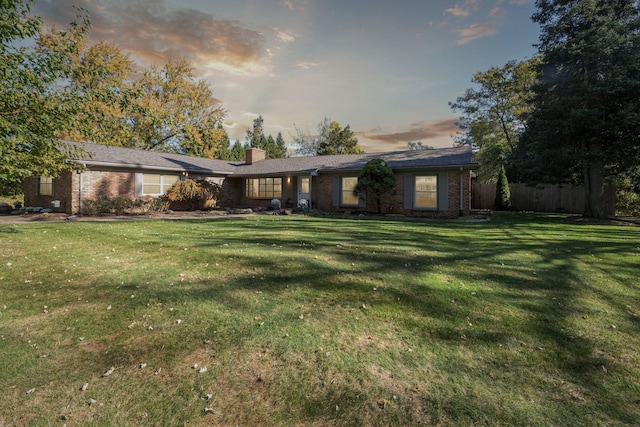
(416, 146)
(304, 143)
(586, 115)
(159, 108)
(176, 112)
(32, 109)
(572, 113)
(274, 148)
(376, 178)
(101, 73)
(332, 138)
(495, 113)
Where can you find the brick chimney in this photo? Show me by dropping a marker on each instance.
(254, 155)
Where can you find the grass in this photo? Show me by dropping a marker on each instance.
(525, 320)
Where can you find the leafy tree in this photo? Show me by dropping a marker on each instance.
(274, 149)
(101, 73)
(237, 152)
(32, 109)
(221, 145)
(165, 109)
(279, 149)
(269, 145)
(331, 139)
(194, 192)
(334, 139)
(495, 113)
(503, 193)
(175, 112)
(255, 135)
(587, 104)
(414, 146)
(376, 178)
(628, 193)
(211, 145)
(304, 143)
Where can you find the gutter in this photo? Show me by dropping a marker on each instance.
(461, 192)
(408, 169)
(153, 168)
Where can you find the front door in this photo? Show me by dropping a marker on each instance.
(304, 194)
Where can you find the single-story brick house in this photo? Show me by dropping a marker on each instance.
(434, 183)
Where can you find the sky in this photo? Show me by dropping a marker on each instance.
(386, 68)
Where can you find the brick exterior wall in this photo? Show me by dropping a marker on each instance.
(113, 184)
(62, 191)
(323, 185)
(393, 201)
(231, 192)
(108, 184)
(253, 155)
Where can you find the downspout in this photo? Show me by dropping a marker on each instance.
(80, 192)
(461, 192)
(310, 191)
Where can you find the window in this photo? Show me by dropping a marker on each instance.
(304, 185)
(426, 191)
(263, 188)
(153, 184)
(45, 186)
(348, 194)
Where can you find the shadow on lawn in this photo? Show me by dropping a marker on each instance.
(452, 273)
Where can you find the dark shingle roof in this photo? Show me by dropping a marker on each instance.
(408, 159)
(104, 155)
(107, 156)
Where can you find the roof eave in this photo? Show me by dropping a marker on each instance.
(469, 166)
(146, 167)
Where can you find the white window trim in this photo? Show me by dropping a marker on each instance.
(163, 187)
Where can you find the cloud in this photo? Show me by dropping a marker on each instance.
(288, 4)
(153, 32)
(498, 13)
(294, 4)
(419, 131)
(284, 36)
(306, 65)
(476, 31)
(463, 9)
(458, 11)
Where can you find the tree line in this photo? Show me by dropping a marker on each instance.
(55, 84)
(571, 113)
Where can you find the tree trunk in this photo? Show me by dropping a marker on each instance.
(594, 202)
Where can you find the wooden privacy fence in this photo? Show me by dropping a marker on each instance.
(564, 198)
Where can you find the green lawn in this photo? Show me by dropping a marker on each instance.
(525, 320)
